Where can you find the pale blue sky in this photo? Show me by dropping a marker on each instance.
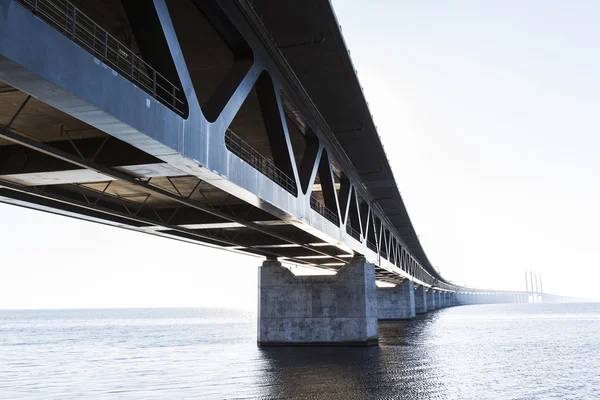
(488, 112)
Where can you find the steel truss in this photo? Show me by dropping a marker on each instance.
(131, 213)
(369, 227)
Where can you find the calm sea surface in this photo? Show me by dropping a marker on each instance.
(537, 351)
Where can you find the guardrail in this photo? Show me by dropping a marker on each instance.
(383, 254)
(352, 232)
(319, 207)
(82, 30)
(265, 166)
(372, 246)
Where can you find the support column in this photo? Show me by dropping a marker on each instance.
(336, 309)
(453, 299)
(431, 299)
(421, 300)
(396, 302)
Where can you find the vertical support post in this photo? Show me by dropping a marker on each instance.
(326, 309)
(94, 41)
(118, 56)
(396, 302)
(421, 300)
(105, 46)
(154, 83)
(431, 299)
(66, 26)
(74, 19)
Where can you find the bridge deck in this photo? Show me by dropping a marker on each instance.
(243, 143)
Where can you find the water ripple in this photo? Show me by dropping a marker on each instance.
(475, 352)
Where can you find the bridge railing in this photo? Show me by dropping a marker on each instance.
(265, 166)
(319, 207)
(70, 21)
(82, 30)
(352, 232)
(372, 246)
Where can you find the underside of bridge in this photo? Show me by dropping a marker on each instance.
(236, 124)
(50, 159)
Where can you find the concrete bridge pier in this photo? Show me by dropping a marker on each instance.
(396, 302)
(453, 302)
(421, 300)
(431, 299)
(469, 298)
(336, 309)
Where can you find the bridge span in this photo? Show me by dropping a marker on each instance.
(237, 124)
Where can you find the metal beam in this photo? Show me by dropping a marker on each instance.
(141, 224)
(48, 150)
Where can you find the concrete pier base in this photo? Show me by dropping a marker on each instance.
(336, 309)
(453, 301)
(421, 300)
(431, 299)
(396, 302)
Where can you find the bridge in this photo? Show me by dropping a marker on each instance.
(237, 124)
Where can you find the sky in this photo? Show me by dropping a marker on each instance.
(488, 112)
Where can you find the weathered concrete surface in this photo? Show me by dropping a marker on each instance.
(431, 299)
(453, 299)
(421, 300)
(336, 309)
(396, 302)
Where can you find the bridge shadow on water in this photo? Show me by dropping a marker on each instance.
(397, 368)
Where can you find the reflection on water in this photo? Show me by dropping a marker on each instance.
(473, 352)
